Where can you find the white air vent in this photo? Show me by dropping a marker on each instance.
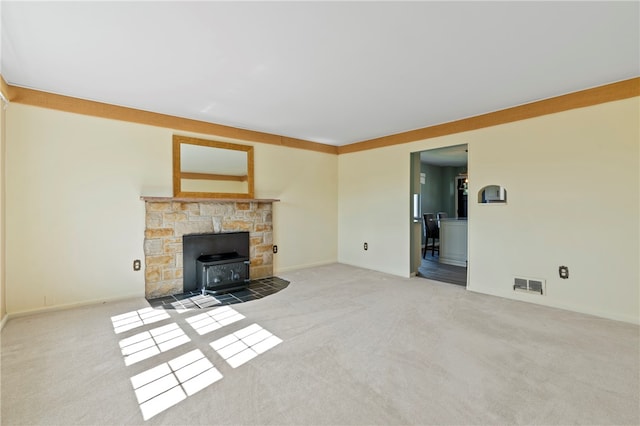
(530, 285)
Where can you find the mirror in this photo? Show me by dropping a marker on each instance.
(211, 169)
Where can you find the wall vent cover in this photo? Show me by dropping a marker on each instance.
(529, 285)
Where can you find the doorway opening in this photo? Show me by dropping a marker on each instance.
(444, 197)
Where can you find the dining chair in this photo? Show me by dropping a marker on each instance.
(430, 233)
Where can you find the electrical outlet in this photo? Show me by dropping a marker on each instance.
(137, 265)
(563, 271)
(366, 246)
(275, 248)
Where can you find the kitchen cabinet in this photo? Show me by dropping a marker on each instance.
(453, 242)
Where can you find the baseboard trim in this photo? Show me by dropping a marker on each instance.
(521, 297)
(48, 309)
(308, 265)
(4, 321)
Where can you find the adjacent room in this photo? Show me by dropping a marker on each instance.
(444, 199)
(328, 213)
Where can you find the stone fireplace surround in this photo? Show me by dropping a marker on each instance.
(168, 219)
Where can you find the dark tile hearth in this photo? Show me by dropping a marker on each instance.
(256, 289)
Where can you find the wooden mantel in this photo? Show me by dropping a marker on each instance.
(208, 200)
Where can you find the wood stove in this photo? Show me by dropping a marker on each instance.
(215, 263)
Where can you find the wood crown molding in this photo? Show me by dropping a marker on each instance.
(4, 88)
(38, 98)
(584, 98)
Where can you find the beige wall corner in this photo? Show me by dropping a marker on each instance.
(573, 185)
(3, 299)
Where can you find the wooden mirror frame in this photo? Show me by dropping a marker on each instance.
(178, 175)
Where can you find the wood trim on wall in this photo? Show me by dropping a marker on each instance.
(210, 176)
(4, 88)
(98, 109)
(178, 174)
(584, 98)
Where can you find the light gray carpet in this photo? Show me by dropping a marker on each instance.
(358, 347)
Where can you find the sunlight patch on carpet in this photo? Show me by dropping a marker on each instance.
(245, 344)
(149, 343)
(134, 319)
(214, 319)
(169, 383)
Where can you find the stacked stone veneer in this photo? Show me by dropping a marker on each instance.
(168, 221)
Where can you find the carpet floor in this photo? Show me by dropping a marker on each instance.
(340, 345)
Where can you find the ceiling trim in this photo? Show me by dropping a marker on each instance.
(38, 98)
(4, 88)
(584, 98)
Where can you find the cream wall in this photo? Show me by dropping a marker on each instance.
(75, 221)
(573, 193)
(3, 299)
(573, 196)
(305, 220)
(374, 206)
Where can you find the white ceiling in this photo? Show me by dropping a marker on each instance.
(329, 72)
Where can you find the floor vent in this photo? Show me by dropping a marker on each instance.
(529, 285)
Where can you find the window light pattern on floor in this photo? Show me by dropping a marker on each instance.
(149, 343)
(196, 302)
(134, 319)
(169, 383)
(245, 344)
(216, 318)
